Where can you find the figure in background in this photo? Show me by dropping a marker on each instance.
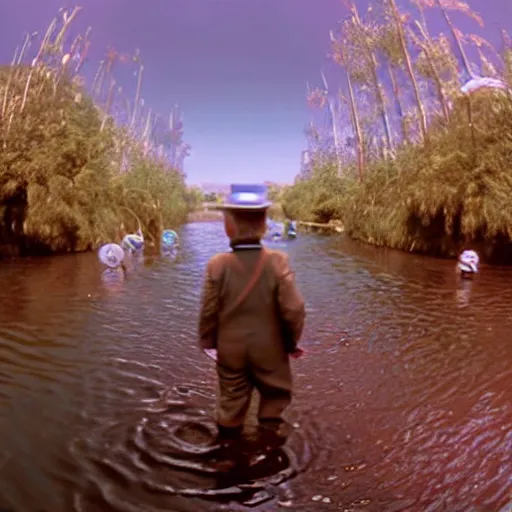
(252, 314)
(112, 256)
(468, 263)
(170, 239)
(169, 243)
(291, 229)
(134, 242)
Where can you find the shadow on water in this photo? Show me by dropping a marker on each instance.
(403, 399)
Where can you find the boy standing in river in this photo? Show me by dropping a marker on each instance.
(252, 314)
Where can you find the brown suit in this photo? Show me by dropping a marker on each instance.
(253, 339)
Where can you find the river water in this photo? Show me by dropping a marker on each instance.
(403, 400)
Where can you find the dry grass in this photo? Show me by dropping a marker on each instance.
(443, 188)
(70, 179)
(435, 199)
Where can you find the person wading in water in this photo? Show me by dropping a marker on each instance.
(252, 314)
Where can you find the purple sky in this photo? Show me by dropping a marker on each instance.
(237, 68)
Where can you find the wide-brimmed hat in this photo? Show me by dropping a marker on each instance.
(246, 197)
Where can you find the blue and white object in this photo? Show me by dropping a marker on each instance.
(468, 263)
(111, 255)
(246, 197)
(133, 242)
(482, 82)
(277, 231)
(292, 230)
(274, 230)
(170, 239)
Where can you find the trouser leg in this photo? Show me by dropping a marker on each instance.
(275, 391)
(234, 397)
(229, 432)
(273, 403)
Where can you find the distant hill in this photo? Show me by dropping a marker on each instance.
(225, 187)
(276, 184)
(216, 188)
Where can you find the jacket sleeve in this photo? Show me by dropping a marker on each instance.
(209, 310)
(291, 304)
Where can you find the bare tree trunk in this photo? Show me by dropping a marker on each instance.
(137, 95)
(435, 74)
(507, 57)
(423, 18)
(67, 22)
(147, 129)
(84, 50)
(462, 53)
(110, 98)
(44, 43)
(379, 92)
(334, 124)
(357, 127)
(398, 103)
(408, 64)
(26, 45)
(97, 83)
(8, 84)
(353, 111)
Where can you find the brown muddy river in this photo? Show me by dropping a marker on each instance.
(403, 402)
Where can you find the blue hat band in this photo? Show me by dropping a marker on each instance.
(247, 198)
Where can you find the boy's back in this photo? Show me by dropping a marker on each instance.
(253, 332)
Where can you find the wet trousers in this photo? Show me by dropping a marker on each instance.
(235, 391)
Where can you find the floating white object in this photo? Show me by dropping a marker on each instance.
(111, 255)
(133, 242)
(169, 239)
(481, 82)
(275, 230)
(292, 230)
(469, 262)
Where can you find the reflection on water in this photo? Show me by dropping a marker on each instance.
(166, 448)
(403, 399)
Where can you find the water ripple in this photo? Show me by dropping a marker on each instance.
(167, 448)
(402, 400)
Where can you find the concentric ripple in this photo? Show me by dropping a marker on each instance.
(106, 402)
(168, 448)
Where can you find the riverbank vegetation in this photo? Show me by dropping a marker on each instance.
(411, 160)
(80, 166)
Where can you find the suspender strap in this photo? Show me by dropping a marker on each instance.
(258, 269)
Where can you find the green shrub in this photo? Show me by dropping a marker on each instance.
(61, 184)
(437, 198)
